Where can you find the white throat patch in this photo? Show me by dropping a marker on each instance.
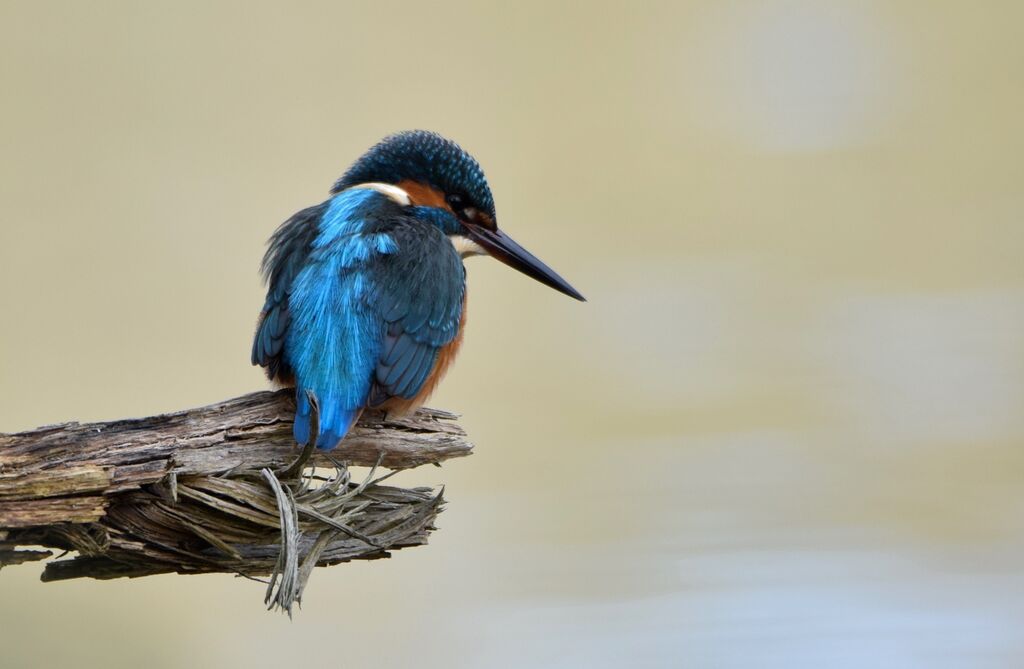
(465, 246)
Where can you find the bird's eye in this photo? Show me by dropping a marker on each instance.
(456, 202)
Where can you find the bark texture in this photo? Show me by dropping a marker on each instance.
(211, 490)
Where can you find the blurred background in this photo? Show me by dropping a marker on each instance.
(786, 429)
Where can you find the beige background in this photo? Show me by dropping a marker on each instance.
(786, 429)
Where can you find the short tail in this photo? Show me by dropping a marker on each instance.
(334, 422)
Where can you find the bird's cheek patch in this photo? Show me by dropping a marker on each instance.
(423, 195)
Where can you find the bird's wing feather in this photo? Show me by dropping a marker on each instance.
(417, 293)
(287, 252)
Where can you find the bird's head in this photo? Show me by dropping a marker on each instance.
(424, 170)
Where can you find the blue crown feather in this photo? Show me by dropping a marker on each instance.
(424, 156)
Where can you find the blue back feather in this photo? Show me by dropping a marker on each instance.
(334, 339)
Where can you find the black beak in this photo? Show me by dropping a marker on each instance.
(505, 249)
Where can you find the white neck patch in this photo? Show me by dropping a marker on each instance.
(392, 191)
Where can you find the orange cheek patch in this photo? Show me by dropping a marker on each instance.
(423, 195)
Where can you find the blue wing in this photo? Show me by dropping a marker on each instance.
(362, 296)
(418, 295)
(287, 252)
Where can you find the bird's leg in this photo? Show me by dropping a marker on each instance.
(296, 467)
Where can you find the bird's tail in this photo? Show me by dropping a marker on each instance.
(333, 421)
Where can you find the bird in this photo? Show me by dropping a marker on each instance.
(366, 291)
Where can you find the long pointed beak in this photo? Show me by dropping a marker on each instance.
(504, 248)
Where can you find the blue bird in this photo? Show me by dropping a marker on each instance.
(366, 298)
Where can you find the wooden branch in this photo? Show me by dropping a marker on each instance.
(189, 491)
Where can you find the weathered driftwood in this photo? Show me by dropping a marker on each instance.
(196, 491)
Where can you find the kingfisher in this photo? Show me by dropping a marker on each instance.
(366, 291)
